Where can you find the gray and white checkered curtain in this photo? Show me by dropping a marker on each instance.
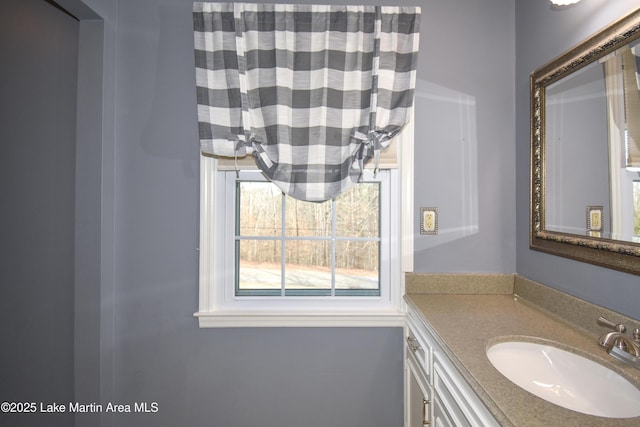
(312, 92)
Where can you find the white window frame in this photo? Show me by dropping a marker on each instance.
(218, 306)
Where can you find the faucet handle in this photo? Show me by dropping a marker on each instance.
(609, 324)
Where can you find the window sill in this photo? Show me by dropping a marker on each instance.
(235, 319)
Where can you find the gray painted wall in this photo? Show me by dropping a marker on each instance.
(464, 150)
(39, 45)
(542, 33)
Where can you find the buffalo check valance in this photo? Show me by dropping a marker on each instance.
(311, 92)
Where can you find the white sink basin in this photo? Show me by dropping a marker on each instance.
(566, 379)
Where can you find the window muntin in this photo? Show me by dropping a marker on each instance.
(284, 247)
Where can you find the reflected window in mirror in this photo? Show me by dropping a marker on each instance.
(631, 62)
(622, 81)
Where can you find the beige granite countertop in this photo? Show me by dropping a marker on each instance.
(467, 323)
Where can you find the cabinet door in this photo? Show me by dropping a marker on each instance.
(418, 397)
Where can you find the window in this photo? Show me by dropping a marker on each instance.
(283, 247)
(253, 99)
(293, 291)
(226, 299)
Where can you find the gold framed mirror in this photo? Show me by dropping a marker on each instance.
(583, 174)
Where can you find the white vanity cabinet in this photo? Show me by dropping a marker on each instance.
(436, 394)
(418, 382)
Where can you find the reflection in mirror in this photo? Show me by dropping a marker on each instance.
(576, 151)
(623, 105)
(585, 140)
(593, 148)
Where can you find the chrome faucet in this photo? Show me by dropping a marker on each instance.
(620, 345)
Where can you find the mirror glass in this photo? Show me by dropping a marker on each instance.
(590, 150)
(585, 135)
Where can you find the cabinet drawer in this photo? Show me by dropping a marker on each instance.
(420, 348)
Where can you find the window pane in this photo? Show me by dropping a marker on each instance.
(329, 247)
(305, 219)
(357, 264)
(259, 264)
(308, 264)
(357, 211)
(260, 212)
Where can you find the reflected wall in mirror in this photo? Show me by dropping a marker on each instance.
(585, 150)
